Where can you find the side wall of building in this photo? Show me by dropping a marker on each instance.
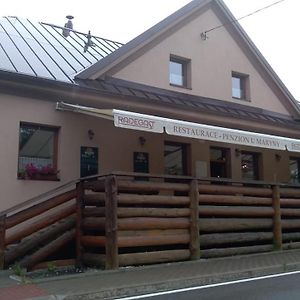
(116, 147)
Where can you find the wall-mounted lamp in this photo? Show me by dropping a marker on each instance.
(91, 134)
(277, 157)
(142, 140)
(237, 152)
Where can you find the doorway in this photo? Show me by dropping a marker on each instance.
(176, 158)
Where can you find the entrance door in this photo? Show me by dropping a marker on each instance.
(249, 165)
(219, 162)
(175, 158)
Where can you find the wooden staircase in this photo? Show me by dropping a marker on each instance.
(36, 230)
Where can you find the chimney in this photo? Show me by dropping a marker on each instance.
(68, 26)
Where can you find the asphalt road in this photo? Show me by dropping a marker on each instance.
(286, 287)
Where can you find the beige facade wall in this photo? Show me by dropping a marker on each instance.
(116, 147)
(212, 63)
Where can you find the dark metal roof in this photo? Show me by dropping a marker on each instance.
(40, 49)
(118, 87)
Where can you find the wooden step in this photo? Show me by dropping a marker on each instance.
(37, 239)
(42, 253)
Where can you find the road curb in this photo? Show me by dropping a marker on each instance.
(134, 290)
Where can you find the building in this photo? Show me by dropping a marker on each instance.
(184, 102)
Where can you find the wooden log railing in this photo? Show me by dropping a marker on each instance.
(115, 220)
(167, 218)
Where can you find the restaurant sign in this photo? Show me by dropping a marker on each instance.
(225, 135)
(143, 122)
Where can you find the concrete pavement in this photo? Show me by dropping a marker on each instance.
(99, 284)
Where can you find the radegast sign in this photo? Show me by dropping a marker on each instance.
(143, 122)
(138, 122)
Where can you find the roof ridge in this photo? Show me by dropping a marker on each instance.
(80, 32)
(62, 27)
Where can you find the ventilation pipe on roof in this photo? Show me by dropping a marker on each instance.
(68, 26)
(89, 42)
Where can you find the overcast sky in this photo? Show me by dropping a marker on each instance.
(275, 31)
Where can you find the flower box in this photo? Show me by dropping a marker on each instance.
(39, 173)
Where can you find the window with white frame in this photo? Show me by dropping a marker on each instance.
(240, 86)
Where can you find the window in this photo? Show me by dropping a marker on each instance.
(179, 71)
(219, 162)
(294, 170)
(249, 166)
(37, 152)
(175, 155)
(240, 86)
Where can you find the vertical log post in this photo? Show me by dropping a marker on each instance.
(79, 208)
(277, 229)
(111, 230)
(194, 220)
(2, 241)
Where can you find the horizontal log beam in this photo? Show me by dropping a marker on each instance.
(95, 186)
(289, 202)
(234, 225)
(290, 212)
(153, 199)
(39, 208)
(290, 224)
(129, 212)
(153, 232)
(214, 253)
(290, 236)
(93, 241)
(289, 192)
(139, 241)
(218, 239)
(153, 257)
(236, 211)
(94, 199)
(234, 190)
(94, 212)
(153, 223)
(234, 200)
(93, 223)
(290, 246)
(146, 186)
